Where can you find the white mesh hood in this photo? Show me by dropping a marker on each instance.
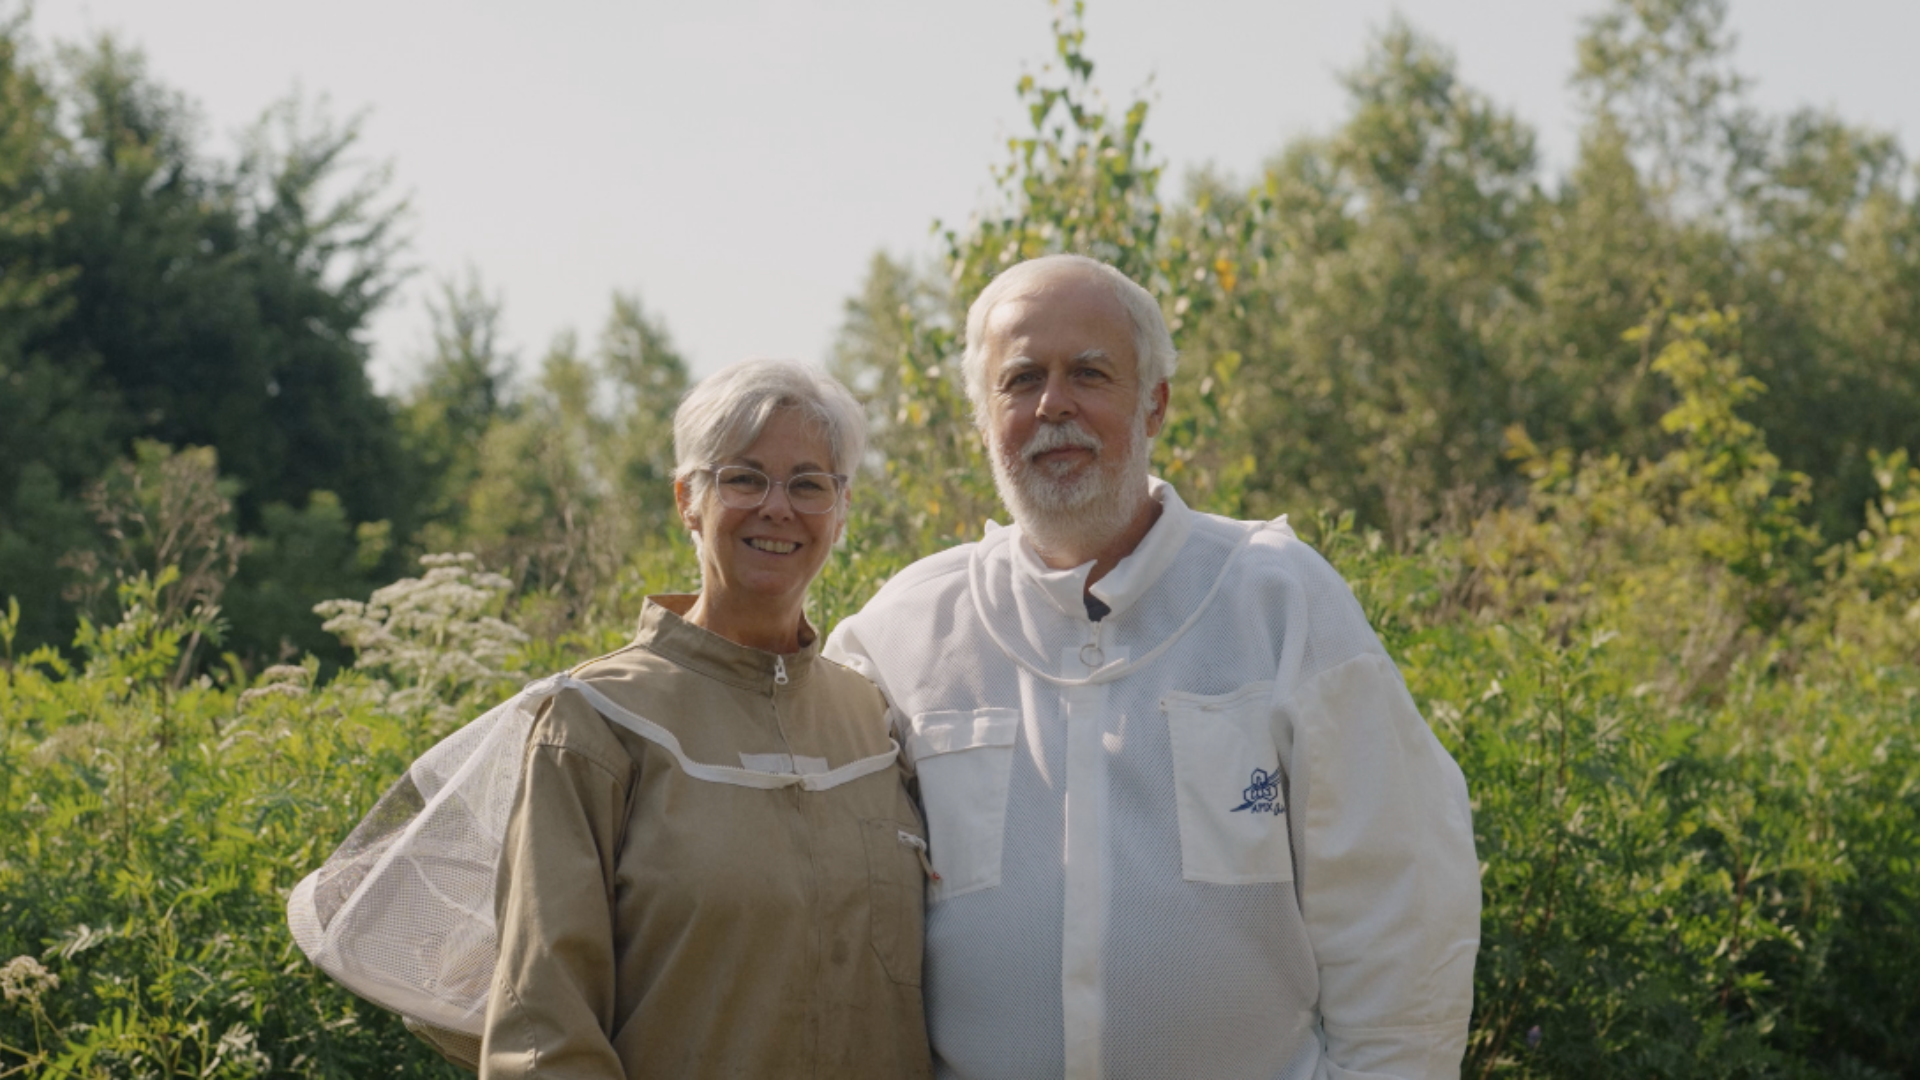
(1116, 898)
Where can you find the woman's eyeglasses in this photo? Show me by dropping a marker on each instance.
(743, 488)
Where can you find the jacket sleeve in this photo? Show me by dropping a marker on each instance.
(551, 1007)
(844, 646)
(1388, 880)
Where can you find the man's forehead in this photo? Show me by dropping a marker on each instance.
(1063, 293)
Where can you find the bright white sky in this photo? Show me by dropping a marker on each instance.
(738, 164)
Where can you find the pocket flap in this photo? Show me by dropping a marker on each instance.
(945, 732)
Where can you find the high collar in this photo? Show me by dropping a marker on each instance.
(665, 632)
(1129, 578)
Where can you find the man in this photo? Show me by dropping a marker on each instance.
(1185, 818)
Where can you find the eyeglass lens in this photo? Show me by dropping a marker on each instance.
(743, 488)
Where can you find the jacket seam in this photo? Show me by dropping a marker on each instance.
(613, 774)
(1291, 703)
(526, 1029)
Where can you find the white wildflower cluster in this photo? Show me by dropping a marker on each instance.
(238, 1053)
(431, 636)
(282, 680)
(24, 977)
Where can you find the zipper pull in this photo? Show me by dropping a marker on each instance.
(919, 847)
(779, 670)
(1091, 654)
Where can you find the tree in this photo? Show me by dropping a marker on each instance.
(562, 482)
(225, 307)
(55, 432)
(466, 386)
(1391, 269)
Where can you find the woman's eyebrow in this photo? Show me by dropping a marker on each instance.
(798, 468)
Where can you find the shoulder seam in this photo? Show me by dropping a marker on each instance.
(1293, 696)
(578, 669)
(548, 744)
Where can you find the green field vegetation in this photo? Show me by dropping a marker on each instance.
(1621, 466)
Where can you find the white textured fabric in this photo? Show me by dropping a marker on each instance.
(1208, 836)
(403, 913)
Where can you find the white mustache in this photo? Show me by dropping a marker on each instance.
(1068, 435)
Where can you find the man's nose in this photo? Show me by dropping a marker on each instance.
(1056, 399)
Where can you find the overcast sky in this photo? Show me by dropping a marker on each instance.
(737, 164)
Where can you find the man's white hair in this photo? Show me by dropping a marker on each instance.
(1152, 345)
(725, 413)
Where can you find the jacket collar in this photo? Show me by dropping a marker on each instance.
(1130, 577)
(664, 632)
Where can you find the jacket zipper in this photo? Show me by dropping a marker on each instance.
(1091, 654)
(779, 670)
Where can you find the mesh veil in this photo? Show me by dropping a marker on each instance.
(402, 913)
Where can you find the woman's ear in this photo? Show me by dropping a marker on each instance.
(683, 499)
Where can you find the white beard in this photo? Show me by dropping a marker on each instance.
(1060, 510)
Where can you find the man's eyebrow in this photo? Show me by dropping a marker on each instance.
(1092, 354)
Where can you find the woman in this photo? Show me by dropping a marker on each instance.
(655, 924)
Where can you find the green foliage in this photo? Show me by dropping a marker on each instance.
(298, 559)
(152, 834)
(1696, 780)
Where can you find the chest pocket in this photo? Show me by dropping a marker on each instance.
(964, 761)
(1229, 786)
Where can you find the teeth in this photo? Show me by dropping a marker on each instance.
(778, 547)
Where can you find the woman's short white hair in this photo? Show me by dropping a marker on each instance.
(722, 416)
(1152, 344)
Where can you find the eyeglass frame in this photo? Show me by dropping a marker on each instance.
(840, 481)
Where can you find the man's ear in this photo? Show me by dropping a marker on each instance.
(1157, 415)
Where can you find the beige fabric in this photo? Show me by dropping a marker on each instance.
(655, 925)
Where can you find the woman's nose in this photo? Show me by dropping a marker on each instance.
(779, 490)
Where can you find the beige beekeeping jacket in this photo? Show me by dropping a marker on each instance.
(656, 925)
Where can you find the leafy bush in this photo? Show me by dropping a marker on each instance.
(152, 835)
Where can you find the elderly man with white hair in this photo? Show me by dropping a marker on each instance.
(1185, 818)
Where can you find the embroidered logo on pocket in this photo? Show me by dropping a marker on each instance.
(1263, 795)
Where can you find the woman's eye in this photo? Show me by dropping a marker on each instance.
(744, 482)
(805, 485)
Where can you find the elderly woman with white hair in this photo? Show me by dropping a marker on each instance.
(662, 911)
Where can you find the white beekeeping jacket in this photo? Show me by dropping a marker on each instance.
(1207, 836)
